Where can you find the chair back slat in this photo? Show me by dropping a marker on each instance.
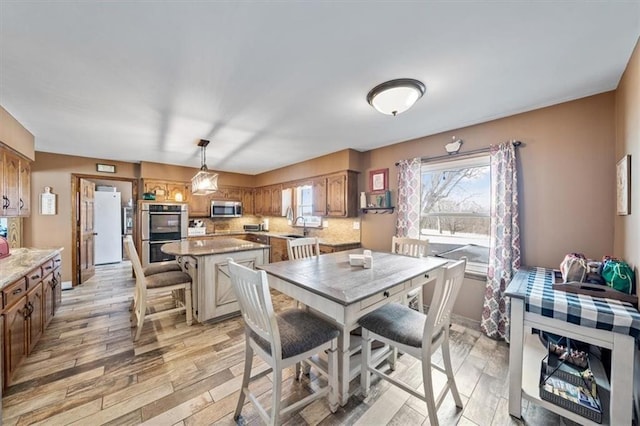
(444, 297)
(252, 291)
(301, 248)
(410, 246)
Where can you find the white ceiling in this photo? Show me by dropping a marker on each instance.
(274, 83)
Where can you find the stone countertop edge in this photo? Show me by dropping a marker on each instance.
(21, 261)
(331, 243)
(210, 247)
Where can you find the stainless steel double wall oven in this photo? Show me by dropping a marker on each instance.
(161, 223)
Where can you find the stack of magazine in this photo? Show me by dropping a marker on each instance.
(570, 386)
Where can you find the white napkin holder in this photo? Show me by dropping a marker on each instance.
(365, 260)
(356, 259)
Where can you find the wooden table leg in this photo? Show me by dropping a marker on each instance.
(343, 365)
(622, 363)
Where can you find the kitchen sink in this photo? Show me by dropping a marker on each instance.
(293, 236)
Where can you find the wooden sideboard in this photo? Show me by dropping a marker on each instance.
(28, 305)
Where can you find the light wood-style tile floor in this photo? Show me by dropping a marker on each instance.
(86, 370)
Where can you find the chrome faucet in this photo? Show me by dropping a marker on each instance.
(304, 225)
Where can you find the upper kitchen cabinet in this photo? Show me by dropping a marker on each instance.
(336, 195)
(267, 200)
(15, 184)
(166, 190)
(248, 200)
(199, 205)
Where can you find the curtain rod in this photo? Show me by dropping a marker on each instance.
(462, 154)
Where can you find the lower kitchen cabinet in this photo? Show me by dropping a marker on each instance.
(326, 248)
(29, 304)
(278, 249)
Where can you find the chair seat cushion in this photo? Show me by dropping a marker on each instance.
(167, 278)
(396, 322)
(158, 269)
(300, 332)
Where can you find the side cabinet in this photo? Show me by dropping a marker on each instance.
(29, 304)
(15, 183)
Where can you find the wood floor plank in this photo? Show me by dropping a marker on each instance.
(87, 370)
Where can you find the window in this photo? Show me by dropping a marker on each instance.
(455, 210)
(304, 206)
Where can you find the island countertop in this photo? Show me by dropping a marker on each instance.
(208, 247)
(22, 261)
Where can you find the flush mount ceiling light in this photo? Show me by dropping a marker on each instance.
(204, 182)
(396, 96)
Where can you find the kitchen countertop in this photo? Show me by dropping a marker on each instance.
(208, 247)
(21, 261)
(325, 241)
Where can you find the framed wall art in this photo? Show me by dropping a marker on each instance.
(379, 180)
(623, 186)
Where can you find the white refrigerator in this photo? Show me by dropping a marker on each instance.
(108, 228)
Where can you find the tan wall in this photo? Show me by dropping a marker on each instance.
(566, 175)
(14, 135)
(55, 170)
(627, 228)
(347, 159)
(150, 170)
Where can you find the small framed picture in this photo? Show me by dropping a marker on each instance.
(379, 180)
(623, 188)
(106, 168)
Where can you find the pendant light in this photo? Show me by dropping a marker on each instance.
(204, 182)
(396, 96)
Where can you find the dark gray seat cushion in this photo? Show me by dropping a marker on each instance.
(396, 322)
(167, 278)
(158, 269)
(300, 332)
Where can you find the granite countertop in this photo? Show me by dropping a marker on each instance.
(333, 242)
(208, 247)
(21, 261)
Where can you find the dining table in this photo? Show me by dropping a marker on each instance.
(331, 287)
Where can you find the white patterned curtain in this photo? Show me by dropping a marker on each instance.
(408, 222)
(504, 251)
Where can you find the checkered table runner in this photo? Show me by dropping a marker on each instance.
(604, 314)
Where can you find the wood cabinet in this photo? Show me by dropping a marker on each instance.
(336, 195)
(276, 200)
(319, 190)
(166, 190)
(28, 303)
(15, 184)
(15, 330)
(35, 304)
(24, 191)
(278, 249)
(267, 200)
(199, 205)
(247, 201)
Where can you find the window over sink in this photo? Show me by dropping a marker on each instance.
(303, 203)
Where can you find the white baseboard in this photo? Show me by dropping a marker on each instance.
(66, 285)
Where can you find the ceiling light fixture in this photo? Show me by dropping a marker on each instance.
(396, 96)
(204, 182)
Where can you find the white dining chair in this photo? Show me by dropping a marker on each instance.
(300, 248)
(415, 248)
(281, 341)
(418, 335)
(155, 285)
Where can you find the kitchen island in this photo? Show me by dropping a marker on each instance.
(206, 262)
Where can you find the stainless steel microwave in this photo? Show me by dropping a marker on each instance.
(226, 209)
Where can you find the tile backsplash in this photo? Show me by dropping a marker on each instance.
(338, 229)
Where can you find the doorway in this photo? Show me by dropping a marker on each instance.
(84, 232)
